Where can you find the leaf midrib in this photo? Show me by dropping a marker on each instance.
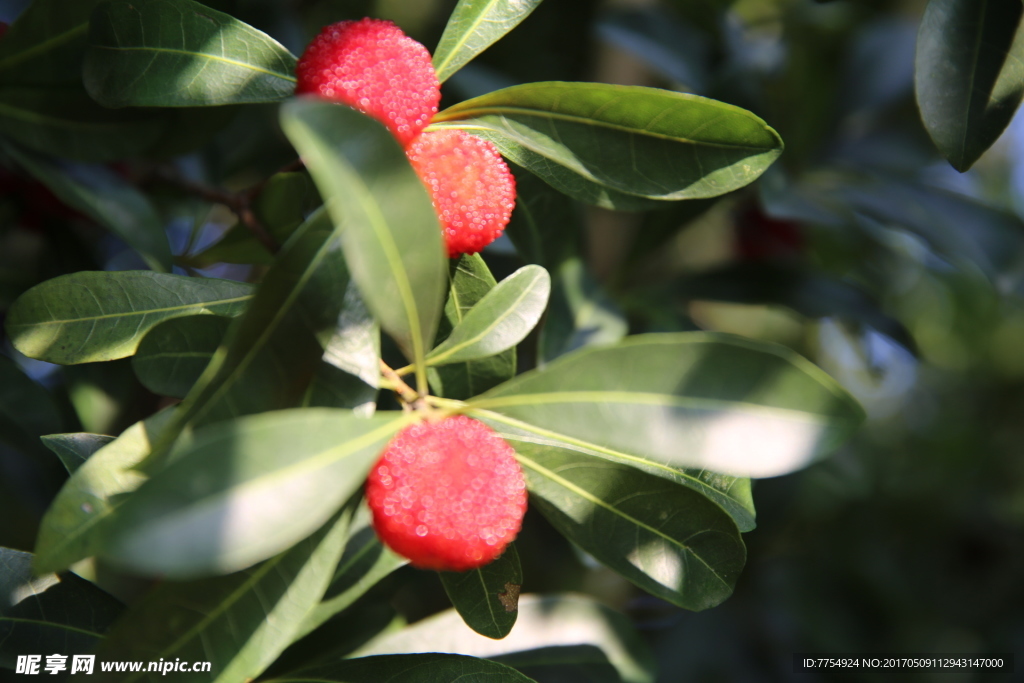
(477, 112)
(586, 495)
(148, 311)
(212, 57)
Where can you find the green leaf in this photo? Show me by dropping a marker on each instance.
(544, 622)
(366, 561)
(499, 321)
(581, 313)
(75, 449)
(173, 355)
(106, 198)
(474, 26)
(284, 202)
(240, 491)
(636, 141)
(69, 124)
(73, 526)
(471, 280)
(666, 538)
(46, 42)
(268, 359)
(575, 663)
(240, 622)
(392, 240)
(49, 613)
(706, 401)
(969, 74)
(418, 668)
(334, 388)
(487, 598)
(27, 410)
(353, 345)
(546, 226)
(92, 316)
(179, 53)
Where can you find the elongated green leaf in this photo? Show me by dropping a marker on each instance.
(353, 345)
(69, 124)
(73, 526)
(91, 316)
(109, 200)
(366, 561)
(173, 355)
(474, 26)
(635, 141)
(705, 401)
(392, 240)
(49, 613)
(240, 622)
(179, 53)
(581, 313)
(487, 598)
(27, 410)
(546, 226)
(268, 359)
(45, 44)
(471, 280)
(969, 74)
(75, 449)
(499, 321)
(544, 621)
(666, 538)
(239, 491)
(420, 668)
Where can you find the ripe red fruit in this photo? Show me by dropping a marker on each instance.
(448, 495)
(372, 66)
(470, 184)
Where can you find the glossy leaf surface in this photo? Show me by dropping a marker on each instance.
(391, 237)
(636, 141)
(240, 622)
(487, 598)
(92, 316)
(178, 53)
(969, 74)
(708, 401)
(75, 449)
(668, 539)
(242, 490)
(499, 321)
(473, 27)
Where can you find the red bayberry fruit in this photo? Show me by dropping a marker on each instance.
(470, 184)
(762, 238)
(372, 66)
(448, 495)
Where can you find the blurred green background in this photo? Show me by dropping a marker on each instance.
(861, 248)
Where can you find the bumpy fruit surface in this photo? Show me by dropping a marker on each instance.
(447, 495)
(372, 66)
(470, 184)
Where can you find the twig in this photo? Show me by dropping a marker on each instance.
(407, 394)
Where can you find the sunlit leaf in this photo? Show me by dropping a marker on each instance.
(72, 528)
(239, 623)
(544, 622)
(240, 491)
(969, 74)
(668, 539)
(49, 612)
(499, 321)
(92, 316)
(179, 53)
(471, 280)
(641, 142)
(473, 27)
(392, 240)
(705, 401)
